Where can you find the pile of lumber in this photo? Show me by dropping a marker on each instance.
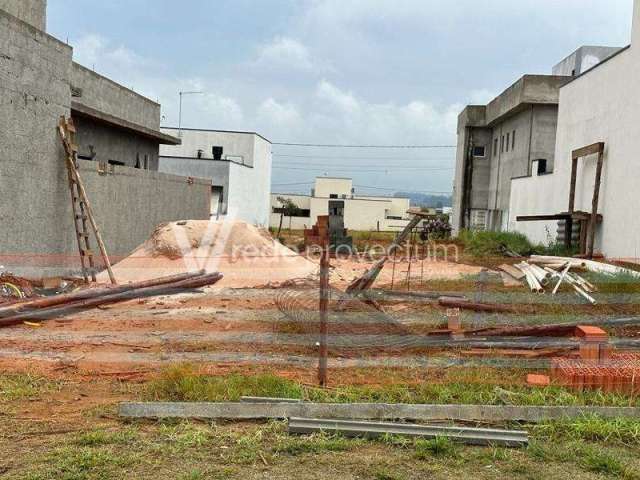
(61, 305)
(547, 274)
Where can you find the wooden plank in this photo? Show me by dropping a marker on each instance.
(594, 204)
(588, 150)
(541, 218)
(572, 184)
(513, 271)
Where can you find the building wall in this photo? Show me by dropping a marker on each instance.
(583, 59)
(33, 12)
(529, 196)
(34, 93)
(37, 236)
(603, 105)
(105, 95)
(326, 186)
(600, 106)
(245, 177)
(216, 171)
(250, 188)
(113, 144)
(128, 205)
(360, 214)
(238, 146)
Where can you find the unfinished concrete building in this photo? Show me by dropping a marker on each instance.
(118, 137)
(499, 142)
(602, 106)
(512, 137)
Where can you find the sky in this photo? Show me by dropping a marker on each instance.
(346, 72)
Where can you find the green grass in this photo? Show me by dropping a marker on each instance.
(194, 451)
(23, 386)
(102, 437)
(494, 244)
(314, 444)
(72, 463)
(619, 431)
(467, 386)
(437, 447)
(488, 244)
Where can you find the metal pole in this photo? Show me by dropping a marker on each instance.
(324, 315)
(180, 118)
(182, 94)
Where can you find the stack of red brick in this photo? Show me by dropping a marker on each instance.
(319, 233)
(598, 367)
(619, 373)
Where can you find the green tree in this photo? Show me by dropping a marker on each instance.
(287, 208)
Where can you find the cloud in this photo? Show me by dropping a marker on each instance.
(284, 52)
(336, 98)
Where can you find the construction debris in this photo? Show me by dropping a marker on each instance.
(350, 428)
(91, 298)
(478, 307)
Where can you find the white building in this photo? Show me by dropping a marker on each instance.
(361, 212)
(238, 164)
(601, 105)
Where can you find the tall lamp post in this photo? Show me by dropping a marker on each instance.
(182, 94)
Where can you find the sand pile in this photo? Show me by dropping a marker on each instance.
(247, 256)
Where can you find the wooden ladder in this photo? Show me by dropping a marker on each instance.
(82, 213)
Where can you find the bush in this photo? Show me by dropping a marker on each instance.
(483, 244)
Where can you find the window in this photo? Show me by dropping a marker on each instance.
(508, 140)
(513, 140)
(301, 213)
(479, 151)
(146, 161)
(333, 195)
(502, 144)
(495, 147)
(542, 166)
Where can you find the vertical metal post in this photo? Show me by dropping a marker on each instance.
(479, 296)
(324, 315)
(180, 118)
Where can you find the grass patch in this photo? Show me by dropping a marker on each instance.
(183, 384)
(96, 438)
(466, 386)
(437, 447)
(72, 463)
(600, 461)
(314, 444)
(21, 386)
(592, 428)
(488, 244)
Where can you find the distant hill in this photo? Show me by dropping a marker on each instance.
(422, 200)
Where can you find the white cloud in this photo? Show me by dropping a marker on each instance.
(481, 96)
(281, 114)
(284, 52)
(335, 97)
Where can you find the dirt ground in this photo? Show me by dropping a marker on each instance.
(63, 422)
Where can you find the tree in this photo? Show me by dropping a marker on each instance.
(289, 208)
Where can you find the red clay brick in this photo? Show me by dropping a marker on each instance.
(538, 380)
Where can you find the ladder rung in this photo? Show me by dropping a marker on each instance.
(81, 217)
(87, 253)
(83, 234)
